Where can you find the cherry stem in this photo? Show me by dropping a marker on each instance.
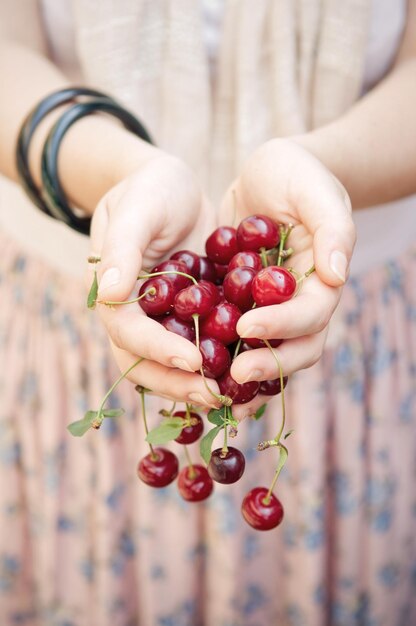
(192, 472)
(282, 391)
(149, 292)
(285, 232)
(152, 274)
(225, 447)
(237, 349)
(225, 400)
(310, 271)
(264, 259)
(188, 414)
(282, 460)
(146, 429)
(118, 381)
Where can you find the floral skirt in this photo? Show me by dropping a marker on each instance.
(84, 543)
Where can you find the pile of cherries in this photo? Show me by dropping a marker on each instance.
(202, 298)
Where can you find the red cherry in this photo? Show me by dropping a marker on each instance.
(190, 259)
(174, 324)
(212, 288)
(240, 394)
(237, 287)
(191, 433)
(273, 285)
(162, 300)
(228, 467)
(160, 470)
(194, 300)
(260, 514)
(221, 245)
(207, 269)
(221, 323)
(254, 342)
(221, 271)
(256, 232)
(215, 357)
(179, 281)
(246, 258)
(272, 387)
(194, 483)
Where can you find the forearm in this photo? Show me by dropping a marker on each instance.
(96, 153)
(372, 148)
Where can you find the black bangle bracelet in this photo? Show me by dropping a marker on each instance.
(54, 194)
(28, 128)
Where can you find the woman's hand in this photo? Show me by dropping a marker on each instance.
(284, 181)
(136, 224)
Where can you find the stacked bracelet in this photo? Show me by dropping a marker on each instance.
(51, 198)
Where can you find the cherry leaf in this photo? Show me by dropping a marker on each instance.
(207, 441)
(216, 416)
(92, 295)
(113, 412)
(80, 427)
(260, 412)
(168, 430)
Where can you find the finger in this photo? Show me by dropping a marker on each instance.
(293, 355)
(242, 411)
(170, 383)
(303, 315)
(131, 330)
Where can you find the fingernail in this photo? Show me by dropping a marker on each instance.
(198, 399)
(181, 364)
(254, 331)
(254, 375)
(338, 264)
(110, 278)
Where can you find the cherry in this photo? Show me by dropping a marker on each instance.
(194, 300)
(240, 394)
(273, 285)
(194, 483)
(179, 281)
(237, 287)
(174, 324)
(272, 387)
(161, 301)
(254, 342)
(221, 245)
(191, 433)
(207, 269)
(221, 271)
(256, 232)
(260, 513)
(158, 469)
(212, 288)
(221, 323)
(246, 258)
(215, 357)
(190, 259)
(226, 467)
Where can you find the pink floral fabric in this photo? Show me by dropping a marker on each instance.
(84, 543)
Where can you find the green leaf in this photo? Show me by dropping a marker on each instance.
(113, 412)
(167, 430)
(289, 433)
(92, 296)
(216, 416)
(260, 412)
(80, 427)
(206, 443)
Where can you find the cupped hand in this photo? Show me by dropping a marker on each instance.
(284, 181)
(136, 224)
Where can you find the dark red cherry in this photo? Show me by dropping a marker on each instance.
(194, 483)
(161, 301)
(179, 281)
(273, 285)
(221, 271)
(237, 287)
(221, 245)
(256, 232)
(240, 394)
(207, 269)
(226, 467)
(246, 258)
(194, 300)
(159, 470)
(174, 324)
(190, 259)
(190, 433)
(215, 357)
(253, 342)
(214, 289)
(260, 513)
(272, 387)
(221, 323)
